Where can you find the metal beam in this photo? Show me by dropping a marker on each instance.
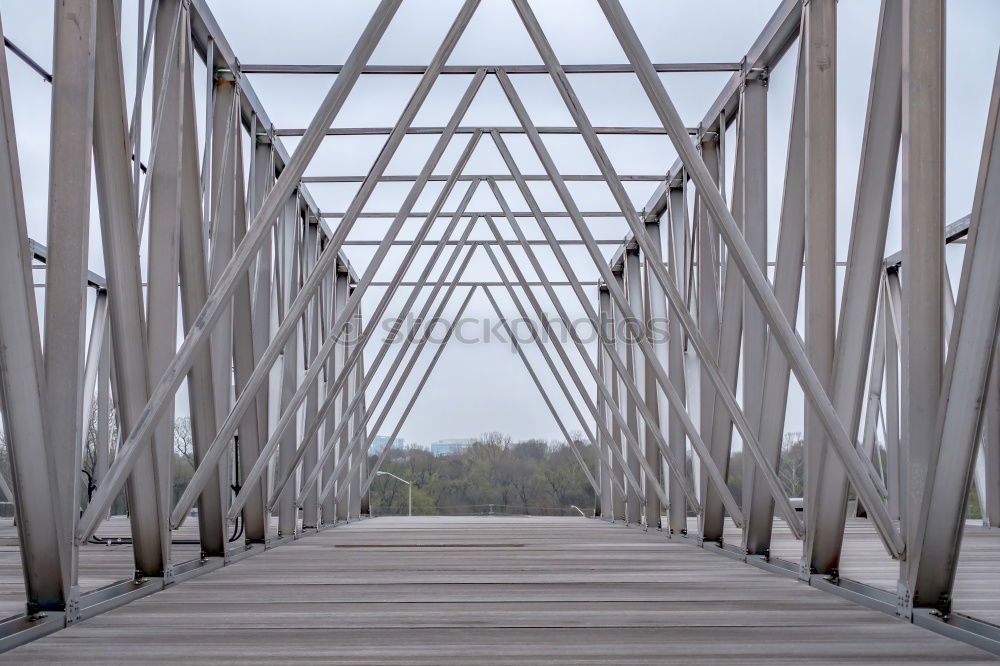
(922, 272)
(608, 377)
(22, 386)
(469, 129)
(41, 254)
(754, 190)
(787, 287)
(471, 69)
(582, 178)
(820, 19)
(631, 383)
(408, 243)
(876, 176)
(171, 58)
(938, 526)
(71, 139)
(678, 246)
(474, 213)
(193, 290)
(120, 239)
(727, 353)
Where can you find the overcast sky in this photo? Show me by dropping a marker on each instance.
(483, 387)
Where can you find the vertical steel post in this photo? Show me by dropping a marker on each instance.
(627, 404)
(643, 379)
(310, 507)
(727, 356)
(989, 499)
(289, 229)
(617, 505)
(933, 556)
(709, 320)
(103, 443)
(754, 189)
(357, 427)
(821, 241)
(922, 271)
(65, 275)
(895, 446)
(787, 287)
(343, 442)
(170, 58)
(225, 192)
(873, 399)
(656, 401)
(244, 357)
(36, 502)
(119, 235)
(363, 466)
(602, 503)
(877, 172)
(262, 179)
(680, 264)
(193, 290)
(336, 413)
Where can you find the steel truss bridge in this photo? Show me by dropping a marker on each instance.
(278, 360)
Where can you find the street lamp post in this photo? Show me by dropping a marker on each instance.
(409, 510)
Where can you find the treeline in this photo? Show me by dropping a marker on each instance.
(493, 475)
(533, 477)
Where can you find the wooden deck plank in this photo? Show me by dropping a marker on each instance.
(492, 590)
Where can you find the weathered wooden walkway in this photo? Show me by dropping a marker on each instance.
(492, 590)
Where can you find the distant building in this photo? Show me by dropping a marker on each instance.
(444, 447)
(378, 444)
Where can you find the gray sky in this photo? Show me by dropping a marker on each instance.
(481, 387)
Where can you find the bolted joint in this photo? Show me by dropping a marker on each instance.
(703, 135)
(904, 601)
(759, 74)
(73, 605)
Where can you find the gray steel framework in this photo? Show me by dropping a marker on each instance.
(278, 355)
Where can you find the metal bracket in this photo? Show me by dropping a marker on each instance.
(73, 605)
(761, 74)
(904, 602)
